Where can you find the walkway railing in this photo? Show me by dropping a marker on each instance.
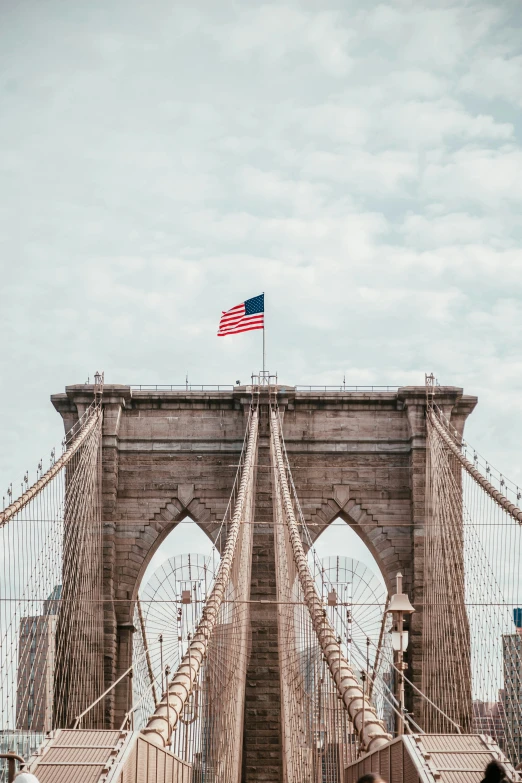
(342, 387)
(190, 387)
(179, 387)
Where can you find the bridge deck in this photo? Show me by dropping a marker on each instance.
(432, 758)
(93, 756)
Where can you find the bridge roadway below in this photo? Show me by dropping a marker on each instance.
(87, 756)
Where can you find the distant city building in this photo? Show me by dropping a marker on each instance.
(52, 605)
(25, 743)
(389, 702)
(489, 718)
(36, 662)
(512, 655)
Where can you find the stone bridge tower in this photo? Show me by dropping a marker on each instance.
(356, 455)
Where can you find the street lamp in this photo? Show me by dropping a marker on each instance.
(399, 606)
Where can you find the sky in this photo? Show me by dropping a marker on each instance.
(359, 162)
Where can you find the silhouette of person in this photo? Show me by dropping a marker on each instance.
(494, 773)
(372, 777)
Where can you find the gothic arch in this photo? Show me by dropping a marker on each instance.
(376, 536)
(163, 523)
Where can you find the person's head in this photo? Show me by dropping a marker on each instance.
(494, 773)
(371, 777)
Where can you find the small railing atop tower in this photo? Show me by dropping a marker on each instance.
(261, 379)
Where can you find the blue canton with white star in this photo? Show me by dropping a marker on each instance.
(255, 305)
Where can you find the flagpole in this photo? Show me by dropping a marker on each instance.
(263, 335)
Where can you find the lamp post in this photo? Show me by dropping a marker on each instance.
(399, 606)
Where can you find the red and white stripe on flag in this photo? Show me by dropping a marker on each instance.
(241, 318)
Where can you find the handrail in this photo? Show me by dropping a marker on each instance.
(11, 757)
(182, 387)
(79, 717)
(341, 387)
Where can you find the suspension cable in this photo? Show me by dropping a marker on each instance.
(371, 731)
(91, 419)
(167, 714)
(389, 662)
(497, 496)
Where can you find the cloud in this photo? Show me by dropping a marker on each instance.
(431, 123)
(487, 177)
(358, 163)
(495, 77)
(429, 35)
(348, 124)
(451, 229)
(374, 121)
(273, 32)
(416, 82)
(298, 195)
(442, 306)
(367, 172)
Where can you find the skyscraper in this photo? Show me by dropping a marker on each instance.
(512, 655)
(489, 718)
(36, 659)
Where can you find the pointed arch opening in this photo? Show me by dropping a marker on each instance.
(354, 592)
(170, 599)
(340, 538)
(184, 538)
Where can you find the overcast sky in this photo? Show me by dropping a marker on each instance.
(359, 162)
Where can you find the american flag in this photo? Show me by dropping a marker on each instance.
(243, 317)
